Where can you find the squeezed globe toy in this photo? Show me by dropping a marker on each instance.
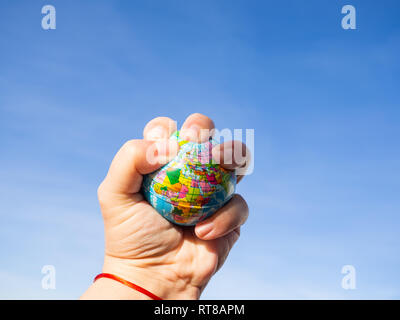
(192, 186)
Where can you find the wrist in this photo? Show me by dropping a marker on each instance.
(108, 289)
(161, 281)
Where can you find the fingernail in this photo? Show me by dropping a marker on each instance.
(157, 133)
(191, 134)
(204, 229)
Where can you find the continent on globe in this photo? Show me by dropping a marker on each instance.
(192, 186)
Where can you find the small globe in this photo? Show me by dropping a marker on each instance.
(191, 187)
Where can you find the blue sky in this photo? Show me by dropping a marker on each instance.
(324, 103)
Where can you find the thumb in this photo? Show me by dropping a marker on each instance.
(133, 160)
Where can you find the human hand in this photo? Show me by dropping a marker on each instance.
(141, 246)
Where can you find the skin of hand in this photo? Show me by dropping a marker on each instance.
(141, 246)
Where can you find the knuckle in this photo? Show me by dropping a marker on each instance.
(197, 114)
(236, 234)
(159, 121)
(101, 192)
(129, 144)
(129, 147)
(104, 199)
(244, 206)
(202, 118)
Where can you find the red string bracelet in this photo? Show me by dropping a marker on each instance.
(127, 283)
